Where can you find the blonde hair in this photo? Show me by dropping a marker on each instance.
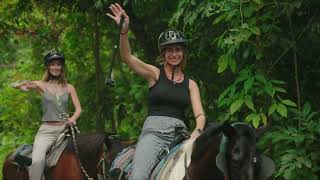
(161, 58)
(62, 80)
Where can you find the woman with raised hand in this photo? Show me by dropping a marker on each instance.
(55, 92)
(170, 93)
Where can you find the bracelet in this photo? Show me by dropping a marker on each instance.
(123, 33)
(200, 115)
(200, 131)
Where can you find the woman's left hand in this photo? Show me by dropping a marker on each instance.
(71, 121)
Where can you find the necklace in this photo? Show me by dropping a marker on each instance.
(55, 93)
(175, 81)
(58, 100)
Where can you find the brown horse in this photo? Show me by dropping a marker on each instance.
(224, 152)
(90, 153)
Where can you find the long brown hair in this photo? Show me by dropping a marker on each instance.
(61, 78)
(161, 58)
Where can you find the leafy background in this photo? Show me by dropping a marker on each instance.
(254, 60)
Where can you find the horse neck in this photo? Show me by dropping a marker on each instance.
(212, 151)
(116, 147)
(204, 166)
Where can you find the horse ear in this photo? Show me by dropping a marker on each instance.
(228, 130)
(261, 130)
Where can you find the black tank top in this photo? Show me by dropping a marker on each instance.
(167, 98)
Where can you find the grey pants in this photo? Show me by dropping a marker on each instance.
(157, 134)
(45, 137)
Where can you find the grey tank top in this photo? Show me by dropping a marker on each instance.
(54, 107)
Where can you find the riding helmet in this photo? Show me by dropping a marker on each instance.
(53, 55)
(171, 37)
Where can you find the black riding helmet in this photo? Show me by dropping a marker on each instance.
(53, 55)
(171, 37)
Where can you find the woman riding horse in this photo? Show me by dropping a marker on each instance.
(223, 152)
(55, 92)
(91, 155)
(170, 93)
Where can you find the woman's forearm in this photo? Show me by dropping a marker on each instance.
(25, 85)
(125, 50)
(201, 122)
(76, 114)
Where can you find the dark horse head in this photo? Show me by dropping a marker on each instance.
(229, 152)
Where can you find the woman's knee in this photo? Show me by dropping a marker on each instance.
(39, 161)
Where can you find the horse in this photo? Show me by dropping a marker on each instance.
(221, 152)
(72, 165)
(228, 152)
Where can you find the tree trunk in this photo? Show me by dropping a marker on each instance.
(96, 52)
(295, 60)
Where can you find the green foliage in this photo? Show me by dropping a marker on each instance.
(300, 137)
(251, 46)
(241, 54)
(253, 97)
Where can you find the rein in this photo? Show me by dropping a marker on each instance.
(74, 128)
(103, 160)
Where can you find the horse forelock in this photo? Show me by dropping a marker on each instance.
(246, 130)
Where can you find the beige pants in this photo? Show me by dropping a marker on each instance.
(46, 136)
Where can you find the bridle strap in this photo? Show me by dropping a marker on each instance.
(103, 162)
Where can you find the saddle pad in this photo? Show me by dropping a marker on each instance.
(123, 160)
(176, 164)
(176, 151)
(54, 155)
(171, 166)
(51, 158)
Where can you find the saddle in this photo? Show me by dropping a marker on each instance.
(22, 155)
(121, 167)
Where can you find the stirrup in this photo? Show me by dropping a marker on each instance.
(23, 161)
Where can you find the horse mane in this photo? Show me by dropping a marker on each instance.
(88, 145)
(246, 131)
(115, 145)
(203, 142)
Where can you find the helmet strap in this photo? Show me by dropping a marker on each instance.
(174, 67)
(173, 70)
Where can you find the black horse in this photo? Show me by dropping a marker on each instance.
(229, 152)
(223, 152)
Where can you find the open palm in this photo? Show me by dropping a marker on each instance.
(117, 12)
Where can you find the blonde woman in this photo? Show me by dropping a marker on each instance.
(55, 92)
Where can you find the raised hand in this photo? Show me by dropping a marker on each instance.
(117, 12)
